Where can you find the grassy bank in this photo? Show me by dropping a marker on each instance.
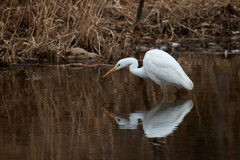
(40, 30)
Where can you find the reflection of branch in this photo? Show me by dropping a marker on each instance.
(111, 114)
(79, 65)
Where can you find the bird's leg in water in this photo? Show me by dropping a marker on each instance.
(177, 98)
(162, 97)
(178, 91)
(161, 88)
(155, 142)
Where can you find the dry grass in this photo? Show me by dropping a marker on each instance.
(37, 30)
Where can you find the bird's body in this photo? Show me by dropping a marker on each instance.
(160, 121)
(160, 67)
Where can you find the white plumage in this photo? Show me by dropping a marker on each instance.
(160, 67)
(160, 121)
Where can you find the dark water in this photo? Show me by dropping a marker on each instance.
(74, 113)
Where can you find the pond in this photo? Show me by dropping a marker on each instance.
(74, 113)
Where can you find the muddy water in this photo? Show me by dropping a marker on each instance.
(74, 113)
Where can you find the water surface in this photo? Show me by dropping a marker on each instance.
(74, 113)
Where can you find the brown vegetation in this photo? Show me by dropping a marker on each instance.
(33, 30)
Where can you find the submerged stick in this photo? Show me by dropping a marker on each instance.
(80, 65)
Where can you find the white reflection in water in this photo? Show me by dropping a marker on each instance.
(160, 121)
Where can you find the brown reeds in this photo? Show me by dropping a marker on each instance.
(42, 30)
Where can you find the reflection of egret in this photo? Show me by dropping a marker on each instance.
(160, 121)
(160, 67)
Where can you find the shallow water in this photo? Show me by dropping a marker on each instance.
(74, 113)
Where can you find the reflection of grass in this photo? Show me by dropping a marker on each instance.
(58, 115)
(41, 29)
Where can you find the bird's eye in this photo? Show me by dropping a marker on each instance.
(118, 65)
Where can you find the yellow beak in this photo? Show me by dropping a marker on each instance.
(110, 71)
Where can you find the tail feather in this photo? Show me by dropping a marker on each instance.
(187, 83)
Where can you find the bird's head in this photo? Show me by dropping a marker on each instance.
(120, 64)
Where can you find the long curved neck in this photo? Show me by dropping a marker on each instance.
(135, 70)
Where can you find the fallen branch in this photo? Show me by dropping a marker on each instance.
(194, 31)
(80, 65)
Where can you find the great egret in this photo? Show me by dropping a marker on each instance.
(160, 67)
(160, 121)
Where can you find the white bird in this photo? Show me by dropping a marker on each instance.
(160, 67)
(160, 121)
